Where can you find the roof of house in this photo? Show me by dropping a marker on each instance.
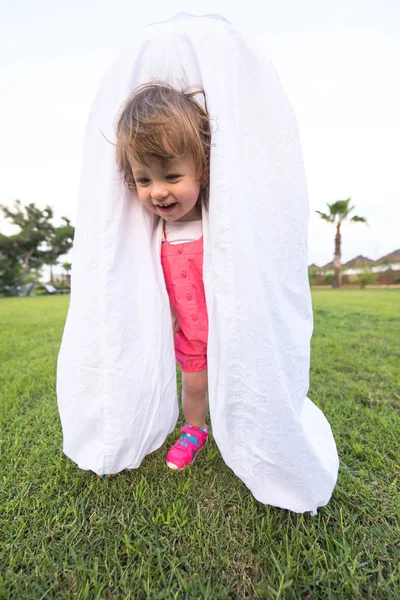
(390, 258)
(328, 265)
(358, 261)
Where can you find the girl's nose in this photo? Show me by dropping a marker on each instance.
(159, 191)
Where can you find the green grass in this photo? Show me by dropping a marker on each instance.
(200, 534)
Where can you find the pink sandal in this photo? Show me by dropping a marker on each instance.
(185, 450)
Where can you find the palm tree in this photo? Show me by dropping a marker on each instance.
(338, 212)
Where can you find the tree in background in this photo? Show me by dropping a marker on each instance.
(10, 267)
(338, 213)
(59, 244)
(21, 252)
(37, 243)
(67, 268)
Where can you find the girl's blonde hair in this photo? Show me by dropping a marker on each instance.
(158, 121)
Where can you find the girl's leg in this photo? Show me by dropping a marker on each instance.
(194, 398)
(195, 401)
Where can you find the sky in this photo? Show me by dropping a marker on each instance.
(338, 61)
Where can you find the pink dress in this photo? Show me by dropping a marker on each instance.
(183, 273)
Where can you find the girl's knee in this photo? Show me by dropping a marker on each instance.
(194, 383)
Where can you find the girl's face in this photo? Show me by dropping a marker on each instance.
(169, 189)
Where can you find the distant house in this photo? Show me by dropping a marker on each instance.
(392, 258)
(389, 262)
(358, 261)
(357, 265)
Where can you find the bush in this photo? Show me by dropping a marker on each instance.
(312, 275)
(328, 278)
(366, 278)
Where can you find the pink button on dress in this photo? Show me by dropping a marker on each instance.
(183, 273)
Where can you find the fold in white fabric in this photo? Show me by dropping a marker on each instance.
(116, 370)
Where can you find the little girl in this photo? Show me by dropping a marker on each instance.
(163, 149)
(214, 232)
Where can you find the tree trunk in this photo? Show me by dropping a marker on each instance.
(27, 268)
(337, 267)
(51, 275)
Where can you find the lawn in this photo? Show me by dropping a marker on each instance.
(156, 534)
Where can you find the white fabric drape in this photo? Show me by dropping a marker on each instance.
(116, 370)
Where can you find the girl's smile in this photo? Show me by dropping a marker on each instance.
(169, 189)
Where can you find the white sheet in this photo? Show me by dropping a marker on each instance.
(116, 369)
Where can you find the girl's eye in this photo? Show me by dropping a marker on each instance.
(142, 181)
(173, 176)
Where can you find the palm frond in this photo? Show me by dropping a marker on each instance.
(339, 211)
(325, 216)
(359, 219)
(340, 208)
